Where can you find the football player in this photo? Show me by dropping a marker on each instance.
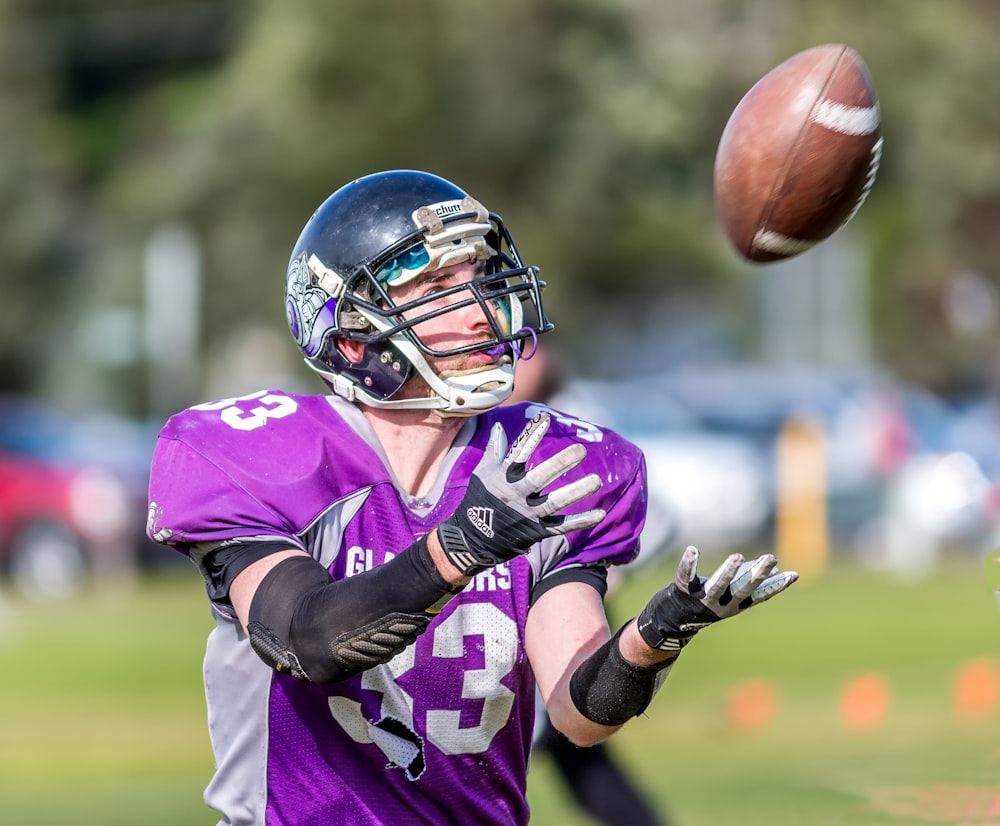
(394, 565)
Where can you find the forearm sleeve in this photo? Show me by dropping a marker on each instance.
(609, 690)
(321, 630)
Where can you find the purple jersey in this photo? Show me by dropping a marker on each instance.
(441, 733)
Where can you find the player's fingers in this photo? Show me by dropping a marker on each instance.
(578, 521)
(568, 494)
(772, 586)
(719, 581)
(752, 575)
(497, 446)
(528, 439)
(687, 569)
(544, 473)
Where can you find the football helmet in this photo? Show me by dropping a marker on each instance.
(382, 231)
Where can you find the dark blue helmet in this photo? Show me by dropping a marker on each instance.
(382, 231)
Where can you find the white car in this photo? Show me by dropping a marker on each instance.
(707, 489)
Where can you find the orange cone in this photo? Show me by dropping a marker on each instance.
(864, 702)
(751, 705)
(976, 689)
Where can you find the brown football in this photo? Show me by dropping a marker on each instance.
(799, 154)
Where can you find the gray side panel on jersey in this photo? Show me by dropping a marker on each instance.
(544, 556)
(325, 535)
(237, 685)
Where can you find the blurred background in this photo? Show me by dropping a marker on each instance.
(159, 158)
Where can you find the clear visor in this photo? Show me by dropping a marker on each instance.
(508, 292)
(454, 243)
(404, 267)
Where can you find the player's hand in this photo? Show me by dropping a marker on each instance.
(679, 611)
(504, 512)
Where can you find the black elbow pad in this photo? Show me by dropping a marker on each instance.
(272, 609)
(362, 648)
(303, 623)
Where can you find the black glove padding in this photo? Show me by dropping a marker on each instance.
(679, 611)
(504, 512)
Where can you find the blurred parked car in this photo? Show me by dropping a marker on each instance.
(72, 496)
(900, 488)
(866, 435)
(937, 501)
(706, 488)
(976, 431)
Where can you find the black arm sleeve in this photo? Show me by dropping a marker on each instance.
(610, 690)
(322, 630)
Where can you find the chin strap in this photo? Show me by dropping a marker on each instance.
(455, 396)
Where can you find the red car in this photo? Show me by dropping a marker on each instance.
(63, 517)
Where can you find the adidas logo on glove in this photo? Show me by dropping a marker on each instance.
(482, 518)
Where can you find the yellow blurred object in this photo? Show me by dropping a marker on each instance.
(802, 538)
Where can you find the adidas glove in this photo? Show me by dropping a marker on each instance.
(679, 611)
(504, 512)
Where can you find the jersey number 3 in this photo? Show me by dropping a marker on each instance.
(443, 729)
(253, 411)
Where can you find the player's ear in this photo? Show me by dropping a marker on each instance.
(351, 350)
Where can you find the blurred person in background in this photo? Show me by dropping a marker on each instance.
(390, 581)
(596, 781)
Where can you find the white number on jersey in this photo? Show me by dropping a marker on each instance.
(443, 729)
(242, 414)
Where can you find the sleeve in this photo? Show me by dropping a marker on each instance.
(594, 575)
(614, 540)
(192, 501)
(221, 564)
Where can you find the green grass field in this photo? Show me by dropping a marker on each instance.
(103, 715)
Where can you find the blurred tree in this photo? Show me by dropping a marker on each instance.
(71, 74)
(590, 125)
(38, 219)
(935, 209)
(592, 134)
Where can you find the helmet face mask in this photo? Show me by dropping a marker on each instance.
(339, 286)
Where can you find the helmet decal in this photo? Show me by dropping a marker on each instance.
(307, 304)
